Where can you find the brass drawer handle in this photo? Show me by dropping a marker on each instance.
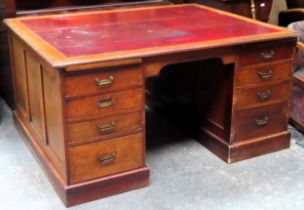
(265, 75)
(267, 55)
(106, 128)
(108, 159)
(104, 82)
(105, 103)
(264, 95)
(262, 122)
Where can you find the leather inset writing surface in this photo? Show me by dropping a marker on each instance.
(88, 34)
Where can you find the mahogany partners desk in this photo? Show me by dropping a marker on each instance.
(79, 82)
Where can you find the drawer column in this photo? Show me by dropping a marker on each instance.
(105, 126)
(260, 106)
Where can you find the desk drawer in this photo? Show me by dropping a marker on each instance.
(99, 82)
(265, 53)
(261, 122)
(105, 158)
(101, 105)
(262, 75)
(262, 94)
(91, 130)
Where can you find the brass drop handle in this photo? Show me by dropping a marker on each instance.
(105, 103)
(106, 128)
(264, 95)
(267, 55)
(262, 122)
(108, 159)
(265, 75)
(104, 82)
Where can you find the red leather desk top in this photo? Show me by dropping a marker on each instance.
(121, 30)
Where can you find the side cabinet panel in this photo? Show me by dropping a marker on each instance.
(39, 103)
(20, 78)
(54, 117)
(36, 100)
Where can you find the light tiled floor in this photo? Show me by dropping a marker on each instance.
(184, 176)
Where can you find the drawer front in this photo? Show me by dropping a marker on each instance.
(87, 131)
(263, 94)
(105, 158)
(262, 75)
(98, 106)
(98, 82)
(265, 52)
(261, 122)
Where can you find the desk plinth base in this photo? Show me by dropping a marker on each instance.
(240, 151)
(110, 185)
(85, 191)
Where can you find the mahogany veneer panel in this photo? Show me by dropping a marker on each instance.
(265, 53)
(83, 108)
(263, 95)
(94, 130)
(254, 75)
(86, 164)
(79, 84)
(20, 84)
(247, 127)
(36, 97)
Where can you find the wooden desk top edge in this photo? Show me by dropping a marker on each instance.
(58, 60)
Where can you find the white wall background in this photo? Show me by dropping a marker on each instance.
(277, 6)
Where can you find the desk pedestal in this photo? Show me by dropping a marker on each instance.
(237, 111)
